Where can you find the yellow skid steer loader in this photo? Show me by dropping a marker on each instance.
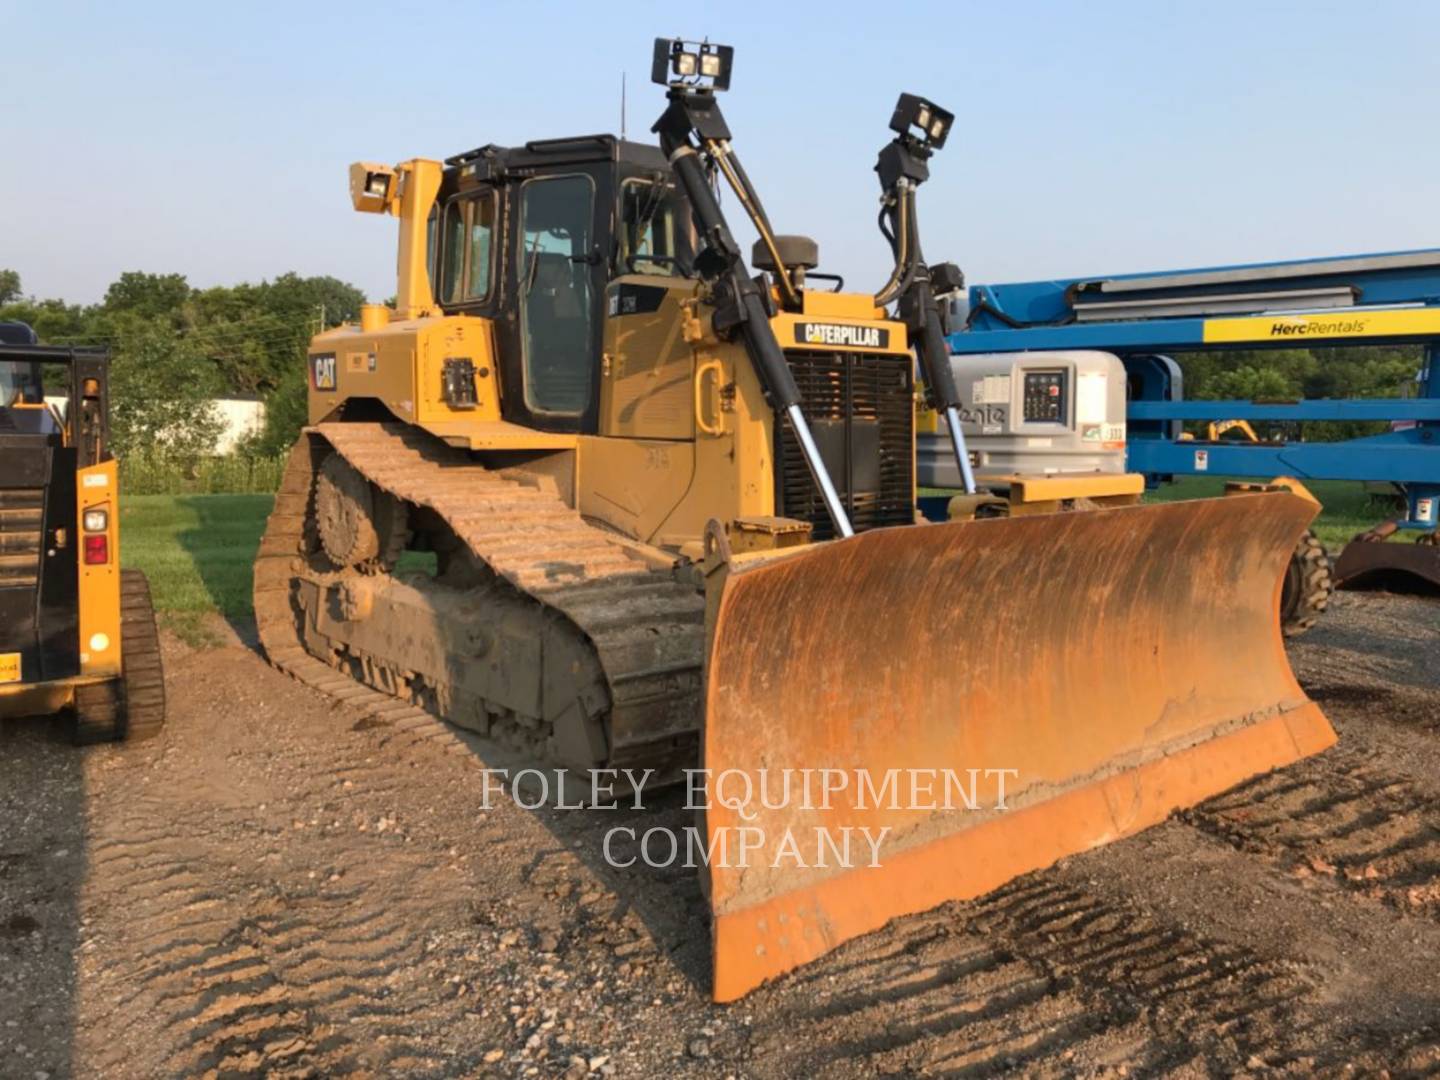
(77, 633)
(670, 513)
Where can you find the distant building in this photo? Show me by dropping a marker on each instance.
(239, 417)
(242, 417)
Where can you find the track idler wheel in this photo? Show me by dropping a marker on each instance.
(1308, 585)
(357, 523)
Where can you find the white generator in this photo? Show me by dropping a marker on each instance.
(1031, 414)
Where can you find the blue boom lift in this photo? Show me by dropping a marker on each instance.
(1385, 299)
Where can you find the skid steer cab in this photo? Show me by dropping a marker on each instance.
(77, 634)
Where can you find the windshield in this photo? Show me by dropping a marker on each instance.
(20, 381)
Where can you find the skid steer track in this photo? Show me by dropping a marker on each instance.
(645, 630)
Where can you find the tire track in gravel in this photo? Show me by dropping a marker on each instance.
(321, 898)
(1365, 814)
(1036, 976)
(1350, 817)
(318, 976)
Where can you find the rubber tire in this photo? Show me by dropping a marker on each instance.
(132, 707)
(1308, 586)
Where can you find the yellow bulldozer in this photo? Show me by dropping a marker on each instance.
(77, 633)
(668, 511)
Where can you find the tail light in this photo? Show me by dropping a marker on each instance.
(97, 550)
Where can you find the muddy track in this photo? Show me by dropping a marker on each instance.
(289, 885)
(644, 628)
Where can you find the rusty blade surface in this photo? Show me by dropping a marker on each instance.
(1121, 662)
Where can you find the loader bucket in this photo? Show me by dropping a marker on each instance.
(1123, 663)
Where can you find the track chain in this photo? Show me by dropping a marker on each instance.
(646, 627)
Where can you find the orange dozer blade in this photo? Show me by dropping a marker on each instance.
(1123, 663)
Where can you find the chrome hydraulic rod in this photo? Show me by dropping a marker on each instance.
(817, 470)
(957, 442)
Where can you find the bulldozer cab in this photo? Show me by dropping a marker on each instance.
(532, 238)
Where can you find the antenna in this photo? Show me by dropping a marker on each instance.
(622, 106)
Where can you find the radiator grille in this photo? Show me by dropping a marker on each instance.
(861, 410)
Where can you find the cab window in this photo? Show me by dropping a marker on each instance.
(432, 248)
(452, 255)
(20, 383)
(648, 230)
(477, 257)
(467, 234)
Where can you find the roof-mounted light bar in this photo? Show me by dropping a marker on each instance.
(694, 64)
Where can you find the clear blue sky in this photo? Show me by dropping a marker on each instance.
(1093, 137)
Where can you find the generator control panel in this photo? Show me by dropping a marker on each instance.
(1031, 414)
(1045, 397)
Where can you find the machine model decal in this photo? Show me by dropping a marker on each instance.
(322, 371)
(844, 334)
(635, 300)
(9, 667)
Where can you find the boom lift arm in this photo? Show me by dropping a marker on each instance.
(1380, 299)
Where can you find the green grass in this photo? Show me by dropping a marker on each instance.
(157, 474)
(197, 551)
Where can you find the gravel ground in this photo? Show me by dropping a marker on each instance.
(281, 886)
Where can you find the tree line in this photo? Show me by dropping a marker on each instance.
(175, 347)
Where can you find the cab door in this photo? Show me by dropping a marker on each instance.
(560, 278)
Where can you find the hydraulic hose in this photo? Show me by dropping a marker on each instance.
(921, 311)
(900, 244)
(723, 156)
